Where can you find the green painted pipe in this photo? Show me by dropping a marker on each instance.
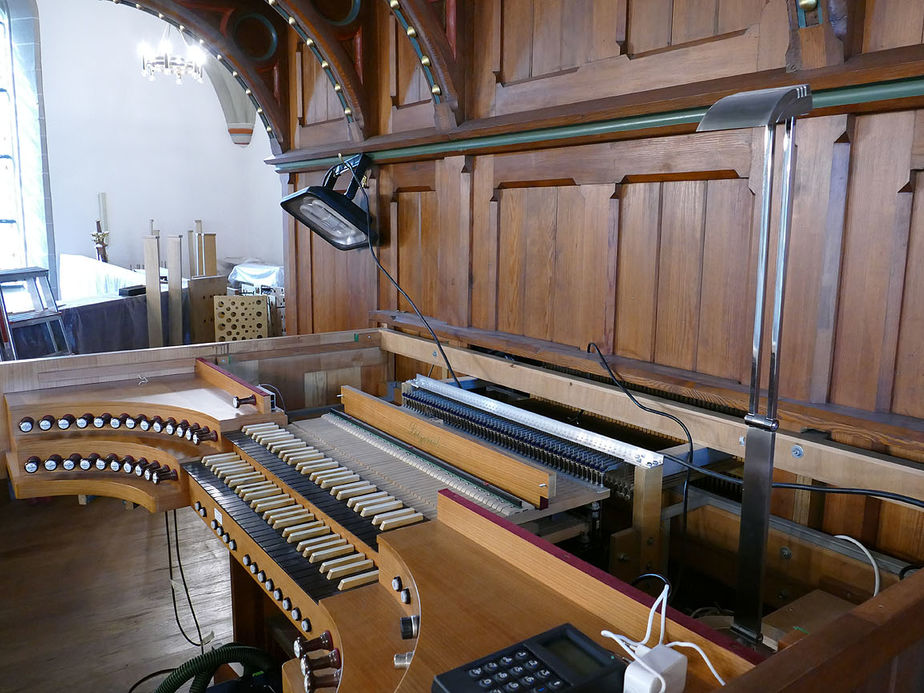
(826, 98)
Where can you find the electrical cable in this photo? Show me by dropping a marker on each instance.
(179, 562)
(646, 576)
(176, 613)
(910, 568)
(392, 279)
(149, 677)
(631, 646)
(868, 556)
(844, 490)
(689, 464)
(275, 391)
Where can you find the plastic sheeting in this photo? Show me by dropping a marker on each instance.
(83, 277)
(257, 275)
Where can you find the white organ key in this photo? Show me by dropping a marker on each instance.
(307, 546)
(360, 504)
(393, 515)
(318, 531)
(249, 428)
(368, 497)
(235, 480)
(328, 565)
(271, 502)
(349, 486)
(310, 467)
(266, 438)
(255, 486)
(333, 481)
(302, 455)
(324, 473)
(325, 552)
(304, 524)
(349, 569)
(379, 508)
(238, 468)
(291, 520)
(226, 464)
(262, 493)
(358, 580)
(209, 460)
(348, 492)
(282, 512)
(291, 445)
(401, 521)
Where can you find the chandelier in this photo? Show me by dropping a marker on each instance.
(163, 59)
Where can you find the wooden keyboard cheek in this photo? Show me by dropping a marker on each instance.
(320, 620)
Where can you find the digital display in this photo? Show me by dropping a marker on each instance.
(578, 660)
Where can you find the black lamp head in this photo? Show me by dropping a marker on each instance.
(334, 216)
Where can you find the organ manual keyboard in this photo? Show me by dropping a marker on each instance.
(391, 538)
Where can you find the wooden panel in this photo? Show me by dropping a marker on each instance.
(580, 582)
(909, 375)
(547, 36)
(814, 258)
(692, 20)
(607, 27)
(880, 169)
(649, 25)
(484, 239)
(511, 260)
(721, 346)
(531, 483)
(516, 51)
(540, 275)
(637, 278)
(679, 272)
(452, 228)
(734, 15)
(891, 23)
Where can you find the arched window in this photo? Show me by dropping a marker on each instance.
(26, 237)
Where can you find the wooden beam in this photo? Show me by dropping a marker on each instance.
(825, 461)
(152, 290)
(531, 483)
(175, 288)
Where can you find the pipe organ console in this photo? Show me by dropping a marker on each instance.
(389, 537)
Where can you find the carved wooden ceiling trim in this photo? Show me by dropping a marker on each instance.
(434, 40)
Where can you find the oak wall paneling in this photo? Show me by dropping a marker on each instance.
(875, 236)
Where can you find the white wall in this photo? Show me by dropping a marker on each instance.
(159, 150)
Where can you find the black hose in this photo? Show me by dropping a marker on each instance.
(203, 667)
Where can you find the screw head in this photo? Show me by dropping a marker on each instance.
(797, 451)
(785, 553)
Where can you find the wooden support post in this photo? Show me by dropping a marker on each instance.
(208, 254)
(646, 516)
(175, 288)
(152, 292)
(191, 248)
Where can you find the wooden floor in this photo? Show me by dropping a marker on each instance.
(85, 595)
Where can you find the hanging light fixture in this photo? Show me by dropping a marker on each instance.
(163, 59)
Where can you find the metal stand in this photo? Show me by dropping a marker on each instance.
(767, 108)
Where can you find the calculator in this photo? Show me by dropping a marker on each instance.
(561, 659)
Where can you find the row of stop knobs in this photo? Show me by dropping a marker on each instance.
(151, 471)
(181, 429)
(312, 662)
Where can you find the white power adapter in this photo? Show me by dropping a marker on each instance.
(671, 664)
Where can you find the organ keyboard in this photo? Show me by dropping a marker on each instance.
(344, 522)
